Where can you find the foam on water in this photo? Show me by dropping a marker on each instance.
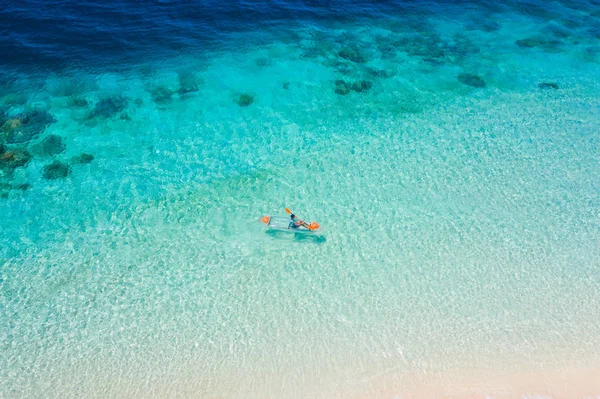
(461, 224)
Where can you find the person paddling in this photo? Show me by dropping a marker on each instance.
(297, 222)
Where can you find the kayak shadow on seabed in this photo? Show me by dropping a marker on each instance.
(299, 237)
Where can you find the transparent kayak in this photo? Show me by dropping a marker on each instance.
(285, 223)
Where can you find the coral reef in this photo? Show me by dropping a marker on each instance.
(81, 159)
(343, 88)
(10, 159)
(162, 95)
(108, 107)
(26, 127)
(548, 85)
(471, 80)
(245, 100)
(56, 170)
(52, 145)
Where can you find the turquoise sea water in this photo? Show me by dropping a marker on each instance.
(454, 167)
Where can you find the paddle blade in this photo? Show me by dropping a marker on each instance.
(266, 219)
(313, 226)
(288, 210)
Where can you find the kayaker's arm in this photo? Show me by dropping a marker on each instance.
(303, 223)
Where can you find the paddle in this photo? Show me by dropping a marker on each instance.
(313, 226)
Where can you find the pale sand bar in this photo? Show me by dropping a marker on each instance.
(576, 383)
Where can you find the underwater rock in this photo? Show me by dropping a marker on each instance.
(261, 61)
(344, 69)
(3, 116)
(286, 85)
(11, 124)
(341, 87)
(15, 158)
(379, 73)
(56, 170)
(27, 127)
(548, 85)
(192, 88)
(188, 82)
(361, 86)
(433, 61)
(79, 102)
(38, 117)
(539, 42)
(462, 46)
(528, 43)
(162, 95)
(52, 145)
(422, 45)
(352, 54)
(22, 187)
(83, 158)
(108, 107)
(471, 80)
(245, 100)
(14, 99)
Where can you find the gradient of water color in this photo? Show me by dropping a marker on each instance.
(449, 150)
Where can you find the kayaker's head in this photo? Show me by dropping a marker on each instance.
(292, 216)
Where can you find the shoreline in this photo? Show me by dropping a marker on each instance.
(569, 383)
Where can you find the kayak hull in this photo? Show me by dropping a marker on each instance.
(284, 223)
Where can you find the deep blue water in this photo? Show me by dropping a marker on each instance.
(42, 35)
(56, 34)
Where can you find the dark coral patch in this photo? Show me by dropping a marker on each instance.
(162, 95)
(52, 145)
(528, 43)
(56, 170)
(78, 102)
(352, 54)
(109, 107)
(548, 85)
(471, 80)
(361, 86)
(188, 82)
(245, 100)
(82, 159)
(3, 115)
(27, 127)
(548, 45)
(15, 158)
(379, 73)
(261, 61)
(341, 87)
(429, 45)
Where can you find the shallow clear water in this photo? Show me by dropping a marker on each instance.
(460, 219)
